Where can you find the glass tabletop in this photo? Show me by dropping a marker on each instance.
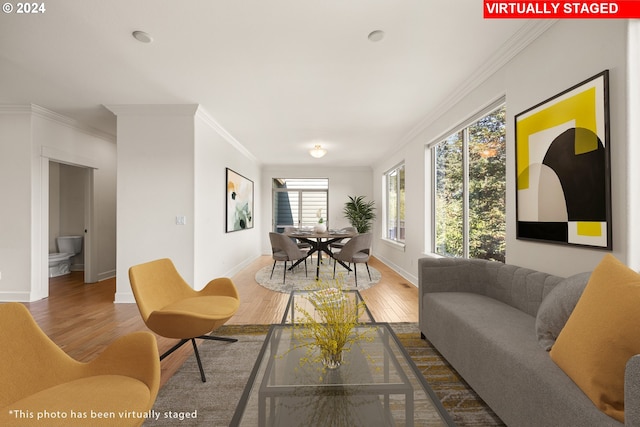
(301, 300)
(377, 384)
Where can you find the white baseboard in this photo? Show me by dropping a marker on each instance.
(238, 268)
(106, 275)
(124, 298)
(410, 277)
(15, 296)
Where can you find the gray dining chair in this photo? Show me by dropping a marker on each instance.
(339, 244)
(301, 245)
(356, 251)
(285, 249)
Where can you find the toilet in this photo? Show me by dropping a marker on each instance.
(60, 262)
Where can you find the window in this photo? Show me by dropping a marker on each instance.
(299, 202)
(469, 190)
(394, 214)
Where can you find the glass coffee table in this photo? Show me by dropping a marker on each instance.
(377, 384)
(300, 299)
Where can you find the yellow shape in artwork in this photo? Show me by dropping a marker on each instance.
(589, 228)
(581, 108)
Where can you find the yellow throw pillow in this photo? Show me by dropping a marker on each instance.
(601, 334)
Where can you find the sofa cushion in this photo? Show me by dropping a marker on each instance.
(602, 334)
(556, 308)
(102, 400)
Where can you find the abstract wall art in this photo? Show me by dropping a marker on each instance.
(563, 167)
(239, 202)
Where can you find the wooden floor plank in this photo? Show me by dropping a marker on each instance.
(83, 320)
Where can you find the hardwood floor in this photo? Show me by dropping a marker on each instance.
(83, 320)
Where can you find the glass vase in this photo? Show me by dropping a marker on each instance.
(332, 360)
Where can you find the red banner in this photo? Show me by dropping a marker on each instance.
(623, 9)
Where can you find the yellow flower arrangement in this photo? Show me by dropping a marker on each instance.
(330, 326)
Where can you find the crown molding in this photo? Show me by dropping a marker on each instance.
(512, 47)
(217, 127)
(58, 118)
(153, 109)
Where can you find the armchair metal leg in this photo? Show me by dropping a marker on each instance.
(195, 350)
(368, 271)
(213, 337)
(272, 268)
(172, 349)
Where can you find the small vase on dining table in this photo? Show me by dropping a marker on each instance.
(320, 227)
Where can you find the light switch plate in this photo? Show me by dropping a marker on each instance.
(181, 220)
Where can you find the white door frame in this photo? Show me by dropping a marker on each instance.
(50, 154)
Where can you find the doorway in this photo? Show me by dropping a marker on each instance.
(68, 201)
(66, 209)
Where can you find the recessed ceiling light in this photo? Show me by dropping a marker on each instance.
(376, 36)
(141, 36)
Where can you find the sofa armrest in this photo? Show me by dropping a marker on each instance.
(450, 274)
(632, 392)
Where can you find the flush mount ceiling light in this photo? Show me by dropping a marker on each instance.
(376, 36)
(141, 36)
(318, 151)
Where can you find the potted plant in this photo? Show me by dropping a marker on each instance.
(359, 213)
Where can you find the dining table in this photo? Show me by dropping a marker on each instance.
(320, 242)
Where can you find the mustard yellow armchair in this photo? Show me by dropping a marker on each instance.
(172, 309)
(41, 385)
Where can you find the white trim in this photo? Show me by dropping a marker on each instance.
(402, 272)
(106, 275)
(209, 120)
(45, 113)
(61, 156)
(512, 47)
(487, 108)
(153, 109)
(124, 298)
(16, 296)
(394, 244)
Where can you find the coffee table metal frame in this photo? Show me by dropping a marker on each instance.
(290, 311)
(391, 346)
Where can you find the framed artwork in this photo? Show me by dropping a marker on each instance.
(563, 170)
(239, 202)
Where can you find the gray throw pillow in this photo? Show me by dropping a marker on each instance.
(556, 308)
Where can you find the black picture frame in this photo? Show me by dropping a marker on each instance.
(563, 167)
(239, 202)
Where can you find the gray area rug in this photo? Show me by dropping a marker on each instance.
(187, 401)
(297, 280)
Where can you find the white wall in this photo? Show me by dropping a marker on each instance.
(29, 137)
(171, 162)
(570, 52)
(218, 253)
(15, 209)
(343, 182)
(566, 54)
(155, 184)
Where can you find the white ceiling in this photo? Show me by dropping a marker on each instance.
(278, 75)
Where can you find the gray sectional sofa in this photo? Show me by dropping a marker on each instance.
(481, 316)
